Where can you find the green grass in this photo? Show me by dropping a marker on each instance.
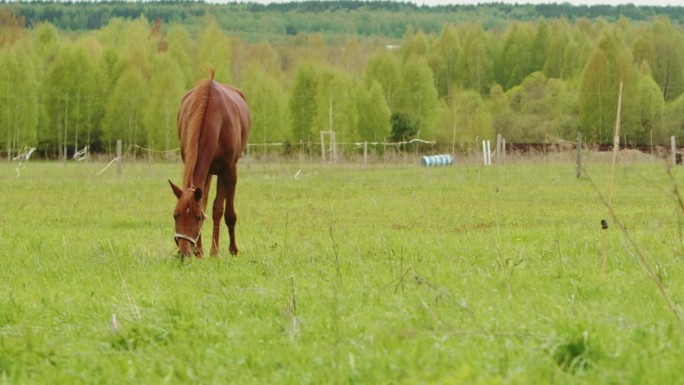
(377, 275)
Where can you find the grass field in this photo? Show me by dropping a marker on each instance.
(375, 275)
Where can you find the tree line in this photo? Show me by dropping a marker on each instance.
(257, 21)
(532, 81)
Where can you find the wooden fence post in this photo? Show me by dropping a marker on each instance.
(119, 156)
(498, 149)
(579, 154)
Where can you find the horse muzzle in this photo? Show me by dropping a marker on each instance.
(178, 236)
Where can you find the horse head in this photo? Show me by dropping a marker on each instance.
(189, 217)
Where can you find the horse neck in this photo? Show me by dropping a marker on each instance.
(196, 166)
(200, 172)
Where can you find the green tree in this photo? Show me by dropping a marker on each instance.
(46, 45)
(336, 105)
(310, 49)
(113, 65)
(596, 97)
(662, 47)
(555, 54)
(268, 104)
(539, 48)
(72, 98)
(214, 50)
(180, 48)
(265, 57)
(137, 45)
(125, 111)
(502, 115)
(417, 97)
(45, 41)
(673, 121)
(95, 85)
(263, 84)
(542, 109)
(650, 104)
(374, 114)
(303, 105)
(403, 129)
(444, 59)
(166, 89)
(383, 67)
(471, 119)
(18, 98)
(610, 64)
(477, 60)
(577, 53)
(414, 45)
(516, 58)
(353, 56)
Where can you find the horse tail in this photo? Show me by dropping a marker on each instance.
(198, 108)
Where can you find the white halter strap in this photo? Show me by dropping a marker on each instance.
(179, 236)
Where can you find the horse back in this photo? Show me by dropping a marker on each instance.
(224, 131)
(227, 120)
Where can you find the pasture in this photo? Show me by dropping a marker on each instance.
(346, 274)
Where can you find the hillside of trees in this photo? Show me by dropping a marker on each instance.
(77, 74)
(336, 19)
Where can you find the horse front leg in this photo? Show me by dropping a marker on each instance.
(231, 216)
(217, 213)
(199, 252)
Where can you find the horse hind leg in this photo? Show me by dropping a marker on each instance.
(231, 216)
(217, 214)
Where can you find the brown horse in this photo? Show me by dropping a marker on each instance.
(213, 126)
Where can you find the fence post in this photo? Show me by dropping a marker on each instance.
(365, 153)
(498, 149)
(484, 151)
(119, 165)
(673, 144)
(579, 154)
(489, 153)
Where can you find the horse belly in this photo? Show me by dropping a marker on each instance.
(218, 167)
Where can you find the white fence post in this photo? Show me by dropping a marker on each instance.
(487, 152)
(484, 151)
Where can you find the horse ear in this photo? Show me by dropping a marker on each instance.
(176, 191)
(198, 194)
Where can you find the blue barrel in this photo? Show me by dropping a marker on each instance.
(437, 160)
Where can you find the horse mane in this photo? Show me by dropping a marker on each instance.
(198, 108)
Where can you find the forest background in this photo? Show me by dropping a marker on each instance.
(86, 74)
